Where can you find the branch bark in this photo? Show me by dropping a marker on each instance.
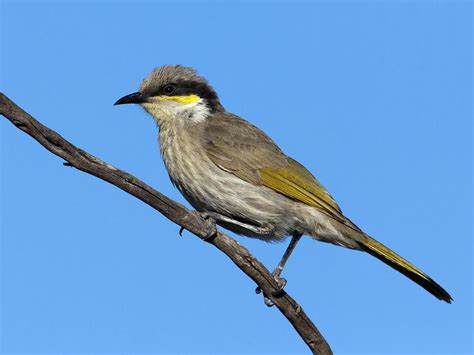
(174, 211)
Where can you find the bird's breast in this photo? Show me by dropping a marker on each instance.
(209, 188)
(186, 162)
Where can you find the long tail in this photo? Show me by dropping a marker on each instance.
(395, 261)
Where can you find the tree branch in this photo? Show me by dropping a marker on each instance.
(175, 212)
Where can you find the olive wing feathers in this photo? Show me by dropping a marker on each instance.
(242, 149)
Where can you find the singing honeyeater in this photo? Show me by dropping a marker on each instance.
(234, 173)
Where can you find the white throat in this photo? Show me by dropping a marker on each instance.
(196, 111)
(164, 112)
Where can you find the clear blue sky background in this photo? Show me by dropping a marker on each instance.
(373, 97)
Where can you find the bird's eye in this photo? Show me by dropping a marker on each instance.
(168, 89)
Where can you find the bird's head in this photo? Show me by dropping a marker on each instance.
(174, 92)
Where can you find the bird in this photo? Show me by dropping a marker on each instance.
(234, 174)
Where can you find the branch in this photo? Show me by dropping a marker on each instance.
(173, 211)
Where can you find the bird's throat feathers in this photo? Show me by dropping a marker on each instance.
(177, 109)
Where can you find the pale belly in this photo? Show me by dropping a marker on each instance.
(210, 189)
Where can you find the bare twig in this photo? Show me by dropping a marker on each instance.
(175, 212)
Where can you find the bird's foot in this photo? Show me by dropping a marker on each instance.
(281, 283)
(211, 223)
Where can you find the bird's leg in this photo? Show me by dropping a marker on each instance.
(276, 273)
(221, 218)
(294, 240)
(214, 217)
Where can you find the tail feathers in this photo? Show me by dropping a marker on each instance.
(395, 261)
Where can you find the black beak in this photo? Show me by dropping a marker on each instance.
(135, 98)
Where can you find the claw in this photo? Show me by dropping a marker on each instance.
(268, 302)
(211, 221)
(281, 288)
(281, 282)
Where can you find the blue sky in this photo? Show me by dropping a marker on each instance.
(375, 98)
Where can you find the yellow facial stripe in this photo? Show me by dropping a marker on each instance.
(184, 100)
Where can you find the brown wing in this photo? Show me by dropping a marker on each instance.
(242, 149)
